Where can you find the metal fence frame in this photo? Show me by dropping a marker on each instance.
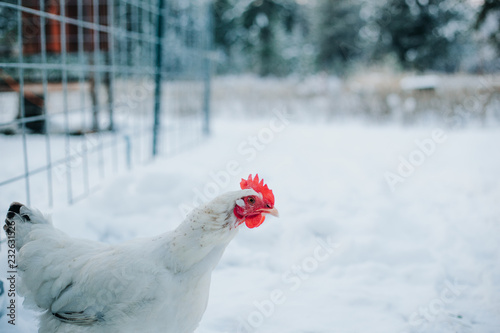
(163, 44)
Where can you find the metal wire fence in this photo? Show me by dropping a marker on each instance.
(90, 88)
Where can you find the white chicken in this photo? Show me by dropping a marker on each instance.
(158, 284)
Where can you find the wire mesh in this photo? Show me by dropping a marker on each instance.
(91, 88)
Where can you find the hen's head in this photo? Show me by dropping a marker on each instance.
(252, 209)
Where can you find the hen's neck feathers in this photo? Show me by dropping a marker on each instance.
(200, 240)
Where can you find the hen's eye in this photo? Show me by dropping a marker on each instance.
(251, 200)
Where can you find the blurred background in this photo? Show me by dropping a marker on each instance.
(402, 60)
(347, 37)
(374, 122)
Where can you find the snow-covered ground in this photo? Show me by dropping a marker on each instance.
(382, 228)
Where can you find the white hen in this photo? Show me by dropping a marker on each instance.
(157, 284)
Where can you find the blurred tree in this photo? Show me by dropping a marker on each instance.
(490, 8)
(225, 25)
(423, 33)
(261, 19)
(339, 41)
(280, 37)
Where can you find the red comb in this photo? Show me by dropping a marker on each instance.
(258, 187)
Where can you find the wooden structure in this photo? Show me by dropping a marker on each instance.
(32, 41)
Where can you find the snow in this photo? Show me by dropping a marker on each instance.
(350, 252)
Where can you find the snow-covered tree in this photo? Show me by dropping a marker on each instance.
(338, 40)
(488, 18)
(424, 33)
(261, 19)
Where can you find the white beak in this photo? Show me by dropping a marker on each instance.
(273, 212)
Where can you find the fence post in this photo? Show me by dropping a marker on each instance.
(158, 72)
(22, 106)
(207, 64)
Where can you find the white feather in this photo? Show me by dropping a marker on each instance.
(158, 284)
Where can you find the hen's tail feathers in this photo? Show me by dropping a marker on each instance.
(13, 214)
(19, 221)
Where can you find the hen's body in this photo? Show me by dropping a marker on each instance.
(157, 284)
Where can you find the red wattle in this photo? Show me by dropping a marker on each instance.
(254, 221)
